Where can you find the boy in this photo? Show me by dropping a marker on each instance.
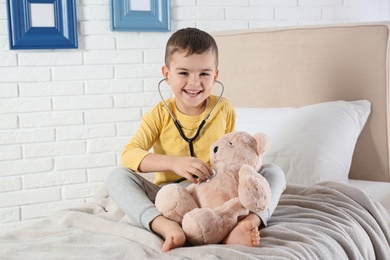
(191, 69)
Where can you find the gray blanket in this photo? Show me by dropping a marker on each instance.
(325, 221)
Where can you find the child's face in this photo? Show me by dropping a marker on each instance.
(191, 79)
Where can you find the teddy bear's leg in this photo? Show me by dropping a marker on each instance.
(173, 201)
(211, 226)
(253, 189)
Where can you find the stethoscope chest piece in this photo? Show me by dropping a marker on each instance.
(209, 178)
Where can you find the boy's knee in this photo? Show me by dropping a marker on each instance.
(112, 175)
(274, 174)
(115, 176)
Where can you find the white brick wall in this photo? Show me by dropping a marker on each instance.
(66, 114)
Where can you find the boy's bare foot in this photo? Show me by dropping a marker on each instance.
(246, 233)
(171, 231)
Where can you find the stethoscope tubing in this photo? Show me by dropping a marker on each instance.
(179, 127)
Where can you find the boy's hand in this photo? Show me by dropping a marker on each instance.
(191, 168)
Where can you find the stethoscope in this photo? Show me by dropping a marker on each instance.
(191, 140)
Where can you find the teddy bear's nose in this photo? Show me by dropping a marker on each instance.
(216, 149)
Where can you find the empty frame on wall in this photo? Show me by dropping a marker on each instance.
(42, 24)
(140, 15)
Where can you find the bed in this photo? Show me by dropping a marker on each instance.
(321, 94)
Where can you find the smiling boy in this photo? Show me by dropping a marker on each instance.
(191, 69)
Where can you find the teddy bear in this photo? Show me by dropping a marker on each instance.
(209, 210)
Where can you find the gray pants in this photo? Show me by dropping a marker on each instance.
(136, 195)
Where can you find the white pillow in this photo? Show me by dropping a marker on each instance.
(311, 144)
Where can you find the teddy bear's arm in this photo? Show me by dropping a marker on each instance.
(253, 189)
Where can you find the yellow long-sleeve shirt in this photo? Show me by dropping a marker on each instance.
(158, 130)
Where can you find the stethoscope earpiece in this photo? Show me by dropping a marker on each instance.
(174, 118)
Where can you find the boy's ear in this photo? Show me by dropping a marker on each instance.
(216, 74)
(165, 71)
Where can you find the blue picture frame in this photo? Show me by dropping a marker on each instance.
(157, 19)
(23, 35)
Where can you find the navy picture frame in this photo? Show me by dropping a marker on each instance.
(22, 35)
(155, 20)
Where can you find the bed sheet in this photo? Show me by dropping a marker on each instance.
(379, 191)
(325, 221)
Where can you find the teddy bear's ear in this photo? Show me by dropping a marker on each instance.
(263, 142)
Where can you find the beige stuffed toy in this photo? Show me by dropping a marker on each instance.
(208, 211)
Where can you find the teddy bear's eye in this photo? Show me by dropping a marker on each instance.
(230, 143)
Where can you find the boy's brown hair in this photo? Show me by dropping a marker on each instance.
(191, 40)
